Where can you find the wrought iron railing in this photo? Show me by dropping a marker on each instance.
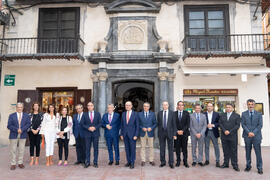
(234, 43)
(41, 46)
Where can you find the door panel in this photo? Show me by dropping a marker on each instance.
(83, 97)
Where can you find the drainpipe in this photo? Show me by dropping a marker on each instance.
(2, 45)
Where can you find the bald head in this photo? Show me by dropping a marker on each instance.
(128, 105)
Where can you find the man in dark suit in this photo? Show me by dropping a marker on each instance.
(91, 122)
(111, 122)
(182, 119)
(197, 132)
(166, 132)
(229, 123)
(211, 133)
(130, 133)
(148, 123)
(78, 134)
(18, 124)
(252, 125)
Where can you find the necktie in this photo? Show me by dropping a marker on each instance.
(110, 118)
(165, 120)
(79, 119)
(20, 120)
(180, 116)
(91, 117)
(198, 118)
(146, 115)
(251, 116)
(127, 117)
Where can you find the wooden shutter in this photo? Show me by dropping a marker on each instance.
(28, 97)
(83, 97)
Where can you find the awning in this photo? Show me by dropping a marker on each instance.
(204, 70)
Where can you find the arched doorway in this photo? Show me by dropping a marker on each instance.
(137, 92)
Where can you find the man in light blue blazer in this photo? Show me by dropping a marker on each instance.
(111, 122)
(148, 123)
(252, 125)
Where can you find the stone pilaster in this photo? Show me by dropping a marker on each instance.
(171, 78)
(95, 89)
(163, 82)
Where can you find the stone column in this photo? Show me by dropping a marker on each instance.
(95, 89)
(163, 76)
(171, 91)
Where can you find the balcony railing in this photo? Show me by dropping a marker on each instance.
(39, 48)
(226, 45)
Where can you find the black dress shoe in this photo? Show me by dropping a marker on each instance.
(201, 164)
(152, 163)
(171, 166)
(194, 164)
(247, 169)
(236, 169)
(260, 171)
(96, 165)
(110, 163)
(186, 165)
(143, 163)
(162, 165)
(217, 164)
(177, 164)
(86, 165)
(127, 165)
(224, 166)
(131, 166)
(77, 163)
(117, 163)
(206, 163)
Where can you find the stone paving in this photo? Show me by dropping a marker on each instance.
(105, 172)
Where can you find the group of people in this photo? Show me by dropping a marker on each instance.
(174, 128)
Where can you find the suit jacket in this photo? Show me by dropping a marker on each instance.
(86, 123)
(77, 128)
(254, 125)
(13, 125)
(171, 125)
(231, 125)
(115, 123)
(184, 123)
(149, 122)
(196, 127)
(215, 121)
(132, 128)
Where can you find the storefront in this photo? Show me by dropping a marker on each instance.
(219, 97)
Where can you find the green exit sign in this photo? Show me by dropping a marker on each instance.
(9, 80)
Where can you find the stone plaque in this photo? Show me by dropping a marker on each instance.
(132, 35)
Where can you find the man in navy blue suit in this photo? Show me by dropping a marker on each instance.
(211, 133)
(78, 134)
(148, 123)
(252, 124)
(130, 133)
(18, 124)
(91, 123)
(111, 122)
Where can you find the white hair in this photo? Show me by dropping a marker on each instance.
(19, 103)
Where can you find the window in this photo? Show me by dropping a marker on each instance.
(206, 27)
(58, 30)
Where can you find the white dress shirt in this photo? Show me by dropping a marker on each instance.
(109, 116)
(93, 114)
(129, 114)
(210, 116)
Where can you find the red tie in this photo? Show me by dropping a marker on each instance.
(127, 117)
(91, 117)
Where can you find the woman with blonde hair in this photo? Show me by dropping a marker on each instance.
(48, 131)
(64, 130)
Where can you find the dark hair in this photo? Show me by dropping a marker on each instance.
(180, 102)
(64, 107)
(230, 104)
(54, 111)
(32, 108)
(197, 105)
(251, 100)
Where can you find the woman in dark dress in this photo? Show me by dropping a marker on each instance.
(33, 133)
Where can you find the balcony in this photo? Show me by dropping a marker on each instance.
(41, 48)
(234, 45)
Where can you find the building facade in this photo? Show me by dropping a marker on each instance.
(68, 52)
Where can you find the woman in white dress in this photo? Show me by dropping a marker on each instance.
(48, 131)
(64, 130)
